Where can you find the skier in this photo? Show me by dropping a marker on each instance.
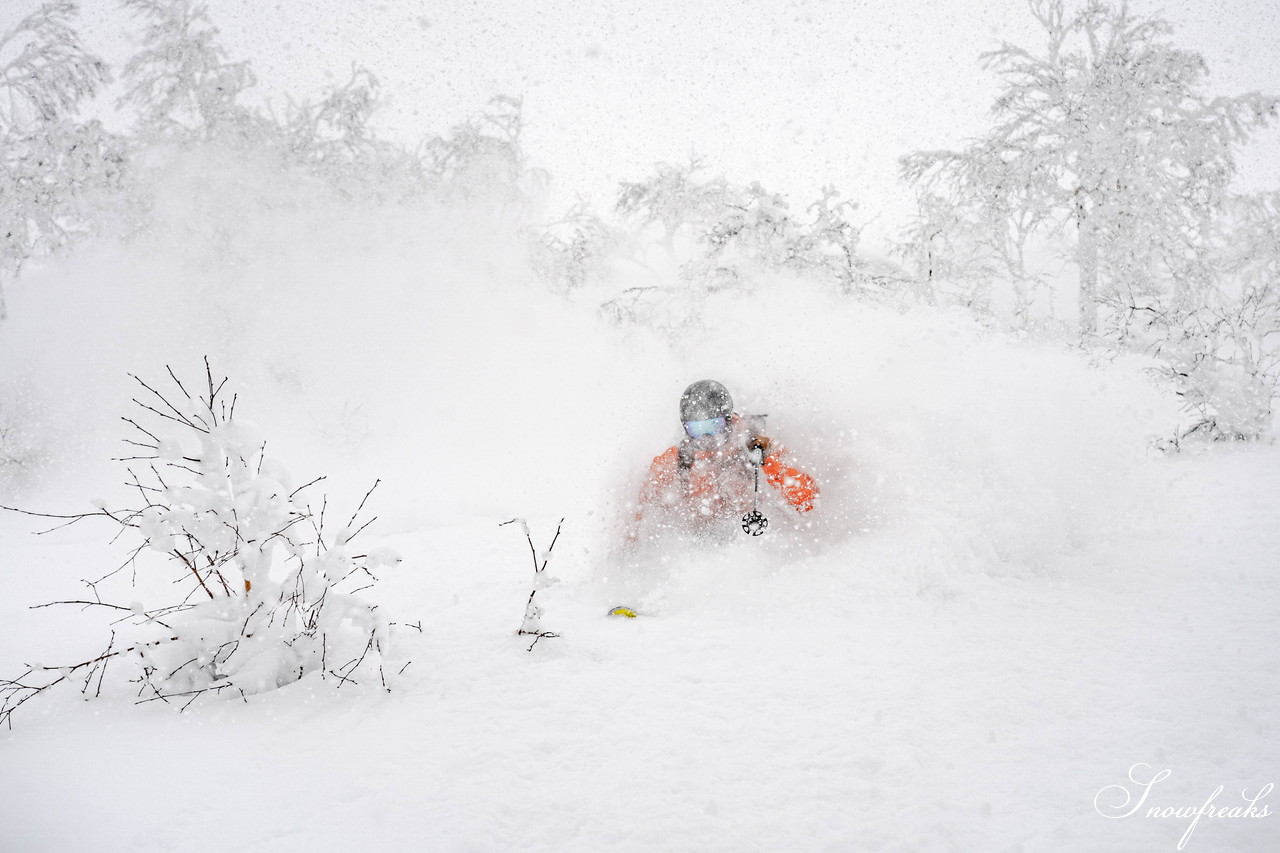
(713, 475)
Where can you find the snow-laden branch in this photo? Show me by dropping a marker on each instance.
(261, 587)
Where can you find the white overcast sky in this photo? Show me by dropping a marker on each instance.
(794, 93)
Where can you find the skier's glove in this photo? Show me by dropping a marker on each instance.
(762, 443)
(684, 456)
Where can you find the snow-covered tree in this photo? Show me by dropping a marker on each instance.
(261, 591)
(1223, 351)
(947, 255)
(482, 159)
(181, 81)
(577, 249)
(722, 232)
(47, 73)
(724, 236)
(187, 91)
(675, 198)
(1107, 141)
(1108, 136)
(333, 139)
(50, 163)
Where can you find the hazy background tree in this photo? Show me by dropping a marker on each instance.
(50, 162)
(181, 82)
(1108, 135)
(719, 236)
(1107, 140)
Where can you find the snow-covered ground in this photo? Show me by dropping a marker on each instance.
(828, 704)
(1006, 602)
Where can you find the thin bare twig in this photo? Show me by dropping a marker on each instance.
(531, 612)
(182, 557)
(106, 661)
(71, 519)
(86, 603)
(362, 503)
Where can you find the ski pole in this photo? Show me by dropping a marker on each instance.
(754, 522)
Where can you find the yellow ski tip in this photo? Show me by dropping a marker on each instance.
(623, 611)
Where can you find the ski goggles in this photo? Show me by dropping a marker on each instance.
(710, 426)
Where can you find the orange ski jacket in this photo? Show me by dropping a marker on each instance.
(698, 483)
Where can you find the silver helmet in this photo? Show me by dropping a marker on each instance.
(705, 399)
